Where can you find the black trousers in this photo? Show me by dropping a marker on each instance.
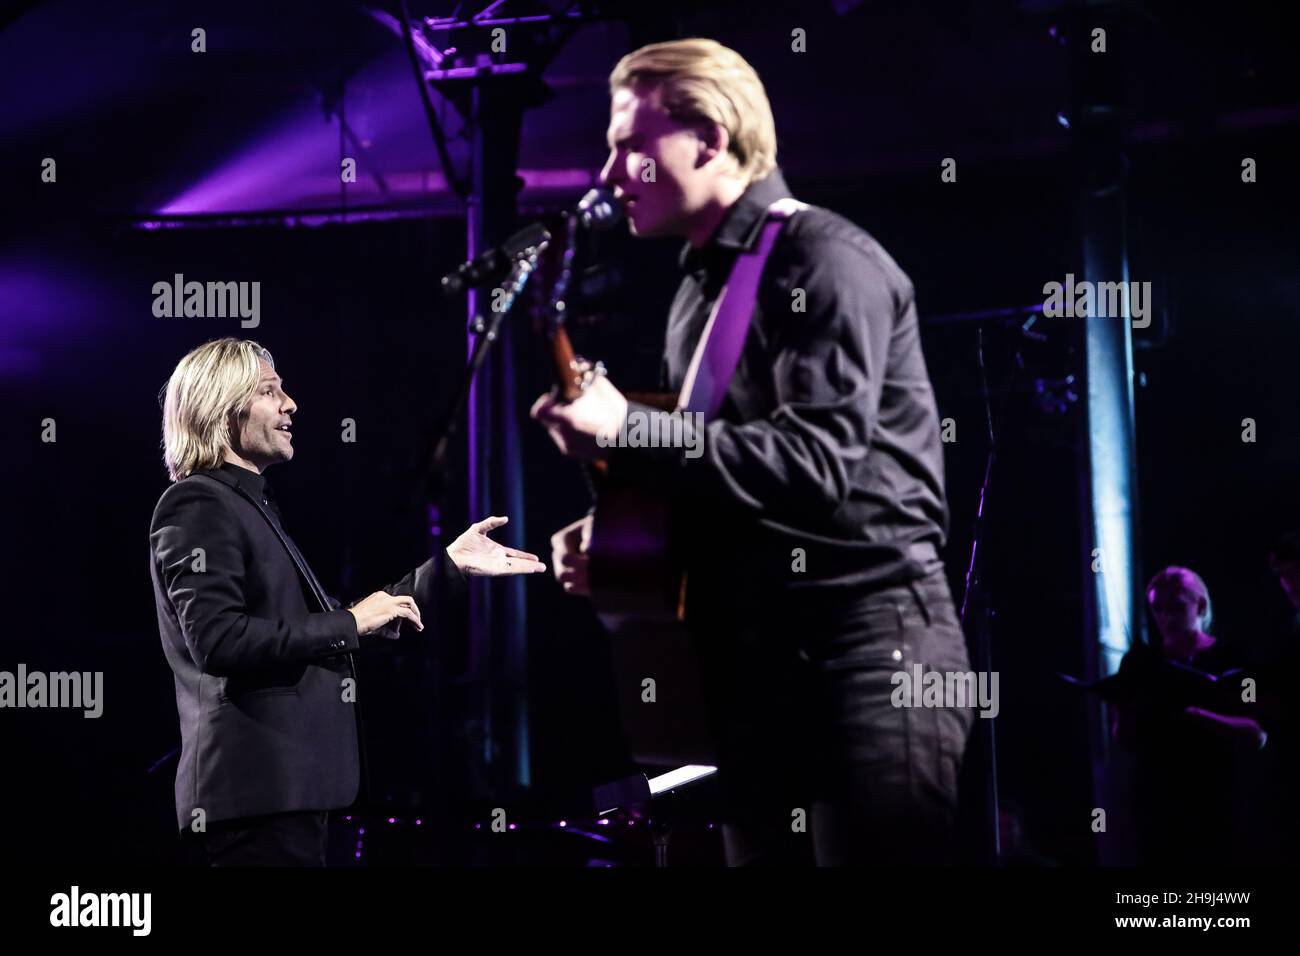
(277, 839)
(817, 764)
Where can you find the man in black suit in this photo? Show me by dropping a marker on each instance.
(262, 656)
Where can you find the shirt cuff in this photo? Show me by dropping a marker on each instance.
(655, 443)
(453, 578)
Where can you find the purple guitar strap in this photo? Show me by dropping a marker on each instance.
(718, 352)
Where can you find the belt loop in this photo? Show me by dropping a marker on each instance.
(920, 602)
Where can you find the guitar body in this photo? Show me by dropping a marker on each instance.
(638, 593)
(632, 574)
(638, 590)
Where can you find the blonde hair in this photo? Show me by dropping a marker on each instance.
(703, 80)
(1175, 578)
(210, 384)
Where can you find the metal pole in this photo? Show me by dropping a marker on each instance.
(1107, 442)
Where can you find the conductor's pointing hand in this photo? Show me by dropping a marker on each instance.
(475, 553)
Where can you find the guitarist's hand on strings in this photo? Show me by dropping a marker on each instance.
(588, 426)
(569, 556)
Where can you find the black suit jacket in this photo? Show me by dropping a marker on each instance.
(259, 653)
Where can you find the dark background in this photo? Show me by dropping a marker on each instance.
(351, 312)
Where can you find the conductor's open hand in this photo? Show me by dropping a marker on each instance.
(475, 553)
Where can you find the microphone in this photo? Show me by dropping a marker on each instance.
(599, 209)
(496, 263)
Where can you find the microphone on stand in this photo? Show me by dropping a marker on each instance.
(598, 209)
(493, 265)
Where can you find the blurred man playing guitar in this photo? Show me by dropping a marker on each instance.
(810, 526)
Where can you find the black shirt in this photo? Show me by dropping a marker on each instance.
(251, 481)
(256, 485)
(1190, 779)
(1280, 717)
(828, 440)
(259, 488)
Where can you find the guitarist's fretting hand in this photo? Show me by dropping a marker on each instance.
(574, 426)
(569, 556)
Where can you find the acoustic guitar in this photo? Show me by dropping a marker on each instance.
(638, 590)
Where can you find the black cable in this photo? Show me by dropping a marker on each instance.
(982, 650)
(988, 465)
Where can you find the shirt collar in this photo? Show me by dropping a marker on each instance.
(740, 226)
(250, 481)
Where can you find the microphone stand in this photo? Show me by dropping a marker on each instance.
(486, 330)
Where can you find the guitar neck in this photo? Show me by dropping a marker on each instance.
(568, 370)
